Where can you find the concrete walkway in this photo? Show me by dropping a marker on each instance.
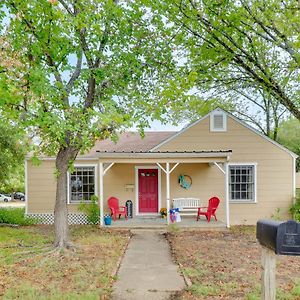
(147, 270)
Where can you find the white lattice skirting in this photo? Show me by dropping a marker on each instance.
(49, 218)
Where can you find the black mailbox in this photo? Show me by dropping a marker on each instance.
(282, 237)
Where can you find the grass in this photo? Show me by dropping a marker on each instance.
(204, 290)
(226, 265)
(31, 270)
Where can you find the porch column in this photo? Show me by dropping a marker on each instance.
(101, 173)
(227, 195)
(168, 191)
(168, 172)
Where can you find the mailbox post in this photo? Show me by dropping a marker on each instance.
(281, 238)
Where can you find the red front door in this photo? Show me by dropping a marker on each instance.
(148, 190)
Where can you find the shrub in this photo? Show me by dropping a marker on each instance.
(15, 216)
(91, 210)
(295, 209)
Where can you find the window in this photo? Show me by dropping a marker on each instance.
(218, 121)
(242, 183)
(82, 184)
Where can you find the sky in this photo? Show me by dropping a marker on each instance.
(157, 126)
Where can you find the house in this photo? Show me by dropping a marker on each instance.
(218, 154)
(298, 183)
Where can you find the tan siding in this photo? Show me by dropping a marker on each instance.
(42, 187)
(274, 168)
(114, 183)
(298, 180)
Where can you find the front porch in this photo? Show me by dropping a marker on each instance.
(128, 177)
(160, 223)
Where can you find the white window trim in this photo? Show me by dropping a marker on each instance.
(68, 182)
(137, 213)
(218, 113)
(254, 201)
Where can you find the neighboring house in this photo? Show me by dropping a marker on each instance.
(298, 183)
(224, 157)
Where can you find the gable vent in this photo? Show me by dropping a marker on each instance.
(218, 121)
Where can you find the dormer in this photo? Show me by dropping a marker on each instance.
(218, 121)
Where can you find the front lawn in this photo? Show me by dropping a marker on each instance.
(29, 269)
(226, 265)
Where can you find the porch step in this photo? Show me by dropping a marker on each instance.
(160, 224)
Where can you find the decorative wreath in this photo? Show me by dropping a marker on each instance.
(185, 181)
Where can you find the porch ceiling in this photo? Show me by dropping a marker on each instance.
(162, 157)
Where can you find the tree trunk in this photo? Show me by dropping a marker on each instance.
(64, 156)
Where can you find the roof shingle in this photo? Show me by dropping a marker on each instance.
(130, 141)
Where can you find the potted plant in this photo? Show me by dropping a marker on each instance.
(163, 212)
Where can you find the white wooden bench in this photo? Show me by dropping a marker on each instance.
(187, 206)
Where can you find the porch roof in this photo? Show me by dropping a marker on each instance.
(204, 156)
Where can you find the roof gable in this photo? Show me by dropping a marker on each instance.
(171, 138)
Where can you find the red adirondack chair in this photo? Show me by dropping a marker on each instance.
(113, 204)
(213, 204)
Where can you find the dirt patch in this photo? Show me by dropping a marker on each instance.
(31, 270)
(226, 265)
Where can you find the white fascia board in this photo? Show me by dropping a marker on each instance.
(164, 155)
(53, 158)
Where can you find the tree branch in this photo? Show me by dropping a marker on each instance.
(67, 8)
(76, 73)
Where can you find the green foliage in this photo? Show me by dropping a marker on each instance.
(12, 149)
(74, 72)
(204, 290)
(296, 288)
(253, 296)
(232, 46)
(295, 209)
(276, 216)
(15, 216)
(289, 136)
(84, 77)
(91, 209)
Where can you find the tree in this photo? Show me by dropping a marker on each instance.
(12, 149)
(241, 44)
(82, 74)
(259, 109)
(289, 136)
